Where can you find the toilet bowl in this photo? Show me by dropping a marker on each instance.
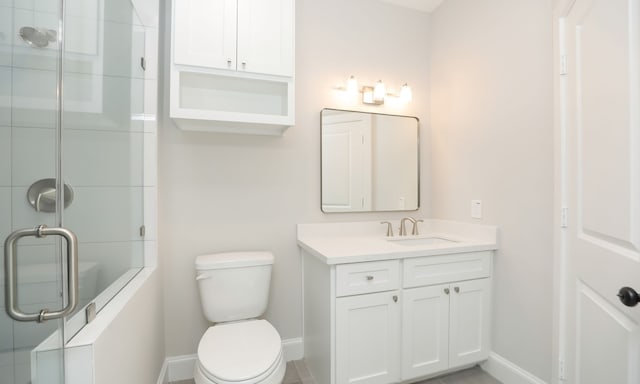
(244, 352)
(239, 348)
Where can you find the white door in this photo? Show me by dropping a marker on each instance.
(204, 33)
(346, 162)
(602, 180)
(469, 329)
(367, 338)
(425, 330)
(265, 36)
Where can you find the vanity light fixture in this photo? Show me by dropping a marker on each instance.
(375, 94)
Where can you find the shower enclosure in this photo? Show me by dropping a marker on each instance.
(71, 172)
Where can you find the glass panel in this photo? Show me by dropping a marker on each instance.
(103, 141)
(30, 352)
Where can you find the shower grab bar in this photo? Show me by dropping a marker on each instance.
(11, 273)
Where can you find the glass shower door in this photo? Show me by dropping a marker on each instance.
(69, 112)
(33, 272)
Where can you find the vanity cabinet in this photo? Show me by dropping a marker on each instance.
(397, 320)
(232, 67)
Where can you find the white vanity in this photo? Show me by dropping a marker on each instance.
(397, 309)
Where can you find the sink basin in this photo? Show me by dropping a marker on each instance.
(418, 241)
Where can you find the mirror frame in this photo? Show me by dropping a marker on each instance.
(418, 155)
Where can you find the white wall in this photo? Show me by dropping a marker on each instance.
(222, 192)
(491, 83)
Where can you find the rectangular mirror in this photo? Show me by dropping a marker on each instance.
(370, 162)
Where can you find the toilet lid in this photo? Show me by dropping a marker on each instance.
(239, 351)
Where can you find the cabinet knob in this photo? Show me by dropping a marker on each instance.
(369, 277)
(446, 290)
(229, 62)
(395, 298)
(457, 289)
(244, 64)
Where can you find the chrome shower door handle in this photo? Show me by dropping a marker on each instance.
(11, 273)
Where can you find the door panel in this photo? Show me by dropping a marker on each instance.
(603, 329)
(205, 33)
(346, 141)
(470, 317)
(265, 28)
(367, 338)
(425, 331)
(603, 190)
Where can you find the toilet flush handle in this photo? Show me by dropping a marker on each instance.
(202, 276)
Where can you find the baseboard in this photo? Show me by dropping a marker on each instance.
(163, 378)
(293, 349)
(179, 367)
(507, 372)
(176, 368)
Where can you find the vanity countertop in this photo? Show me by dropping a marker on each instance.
(352, 242)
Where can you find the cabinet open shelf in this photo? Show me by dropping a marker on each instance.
(210, 101)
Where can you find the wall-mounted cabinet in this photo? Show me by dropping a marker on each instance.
(232, 65)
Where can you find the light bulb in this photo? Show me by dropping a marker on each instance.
(405, 93)
(379, 92)
(352, 85)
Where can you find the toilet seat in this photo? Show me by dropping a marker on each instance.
(244, 352)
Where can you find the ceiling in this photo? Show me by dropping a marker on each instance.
(420, 5)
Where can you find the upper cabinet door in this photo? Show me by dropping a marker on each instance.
(205, 33)
(265, 36)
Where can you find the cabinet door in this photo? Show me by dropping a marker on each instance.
(425, 326)
(469, 323)
(367, 338)
(265, 36)
(204, 33)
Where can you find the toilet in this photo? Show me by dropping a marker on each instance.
(239, 348)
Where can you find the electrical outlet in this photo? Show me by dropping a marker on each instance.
(476, 209)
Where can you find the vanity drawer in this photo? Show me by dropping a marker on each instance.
(374, 276)
(442, 269)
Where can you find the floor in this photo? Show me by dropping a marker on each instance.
(297, 374)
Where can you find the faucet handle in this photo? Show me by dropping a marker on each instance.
(414, 231)
(389, 228)
(403, 231)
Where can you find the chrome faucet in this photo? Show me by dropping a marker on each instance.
(389, 228)
(414, 231)
(403, 230)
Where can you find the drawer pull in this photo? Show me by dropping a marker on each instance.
(395, 298)
(446, 290)
(369, 277)
(457, 289)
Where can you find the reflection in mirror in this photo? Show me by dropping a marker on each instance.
(370, 162)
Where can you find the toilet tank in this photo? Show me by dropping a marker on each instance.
(234, 285)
